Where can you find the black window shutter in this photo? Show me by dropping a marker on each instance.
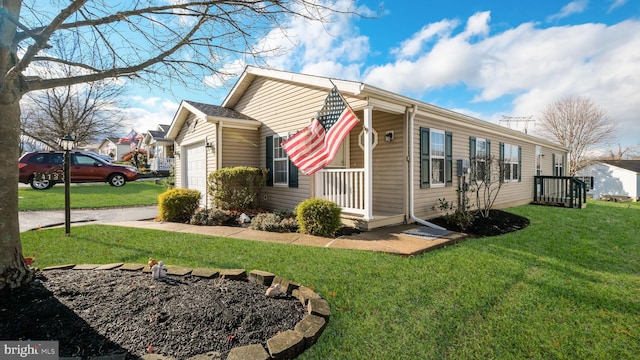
(488, 160)
(293, 175)
(448, 160)
(501, 163)
(472, 157)
(519, 163)
(269, 160)
(424, 157)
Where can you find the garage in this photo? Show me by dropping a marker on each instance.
(195, 176)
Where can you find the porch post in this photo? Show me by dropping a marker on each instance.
(368, 163)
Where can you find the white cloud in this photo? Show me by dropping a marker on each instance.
(228, 72)
(312, 45)
(616, 4)
(531, 66)
(415, 45)
(149, 113)
(478, 24)
(574, 7)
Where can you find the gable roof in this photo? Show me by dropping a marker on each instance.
(632, 165)
(211, 113)
(379, 98)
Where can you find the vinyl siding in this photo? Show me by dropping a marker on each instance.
(295, 106)
(240, 147)
(389, 162)
(511, 193)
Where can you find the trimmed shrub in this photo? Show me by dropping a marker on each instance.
(274, 222)
(170, 181)
(236, 188)
(318, 217)
(210, 217)
(178, 205)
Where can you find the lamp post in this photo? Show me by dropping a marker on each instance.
(67, 144)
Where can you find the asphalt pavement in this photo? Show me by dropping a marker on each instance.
(30, 220)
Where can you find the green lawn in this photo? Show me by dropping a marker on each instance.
(566, 287)
(96, 195)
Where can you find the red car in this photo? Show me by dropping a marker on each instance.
(84, 167)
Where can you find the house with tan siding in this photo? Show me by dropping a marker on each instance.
(392, 167)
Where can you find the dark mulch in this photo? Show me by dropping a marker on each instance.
(499, 222)
(94, 313)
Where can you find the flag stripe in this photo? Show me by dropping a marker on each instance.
(314, 161)
(315, 146)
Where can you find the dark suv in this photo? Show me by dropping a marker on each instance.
(84, 167)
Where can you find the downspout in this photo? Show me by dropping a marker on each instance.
(412, 114)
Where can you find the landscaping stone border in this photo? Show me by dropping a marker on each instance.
(285, 345)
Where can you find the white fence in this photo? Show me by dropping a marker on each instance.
(345, 187)
(161, 164)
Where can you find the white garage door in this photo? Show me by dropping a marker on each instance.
(196, 170)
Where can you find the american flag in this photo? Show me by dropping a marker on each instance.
(315, 146)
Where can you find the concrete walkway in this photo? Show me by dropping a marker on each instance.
(31, 220)
(393, 239)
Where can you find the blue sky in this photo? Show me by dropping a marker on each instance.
(487, 59)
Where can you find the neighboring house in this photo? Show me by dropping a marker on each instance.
(393, 167)
(112, 147)
(119, 147)
(159, 149)
(613, 179)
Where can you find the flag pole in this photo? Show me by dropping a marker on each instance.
(342, 97)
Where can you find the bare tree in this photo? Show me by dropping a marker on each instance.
(153, 40)
(486, 181)
(578, 124)
(88, 112)
(623, 154)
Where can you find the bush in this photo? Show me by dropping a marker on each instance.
(459, 216)
(236, 188)
(274, 222)
(318, 217)
(178, 205)
(210, 217)
(170, 181)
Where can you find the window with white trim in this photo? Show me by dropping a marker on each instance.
(437, 158)
(511, 161)
(280, 162)
(481, 158)
(538, 160)
(558, 165)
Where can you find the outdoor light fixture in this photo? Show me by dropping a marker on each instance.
(67, 143)
(388, 137)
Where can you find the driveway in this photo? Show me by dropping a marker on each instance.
(41, 219)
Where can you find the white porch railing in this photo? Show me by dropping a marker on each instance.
(345, 187)
(161, 164)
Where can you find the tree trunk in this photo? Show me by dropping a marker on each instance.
(13, 271)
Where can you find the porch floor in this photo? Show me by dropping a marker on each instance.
(380, 219)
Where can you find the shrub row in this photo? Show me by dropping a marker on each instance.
(236, 189)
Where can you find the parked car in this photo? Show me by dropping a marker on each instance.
(84, 167)
(104, 157)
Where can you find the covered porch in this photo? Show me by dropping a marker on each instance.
(368, 177)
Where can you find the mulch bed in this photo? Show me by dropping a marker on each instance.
(499, 222)
(94, 313)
